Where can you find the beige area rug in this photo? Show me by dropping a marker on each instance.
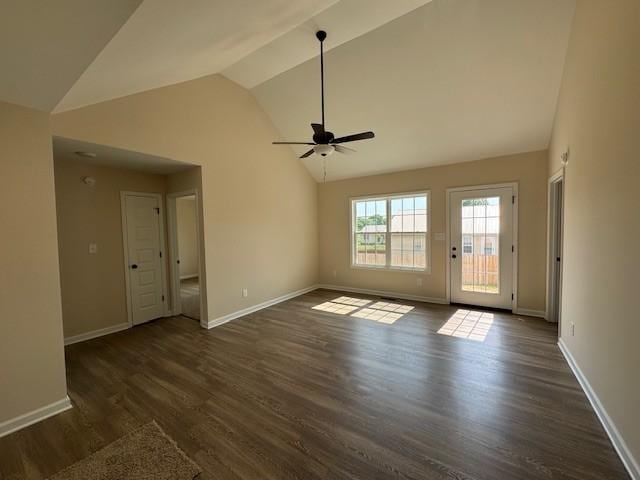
(144, 454)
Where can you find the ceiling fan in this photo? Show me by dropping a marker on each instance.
(324, 142)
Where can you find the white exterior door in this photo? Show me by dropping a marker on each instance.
(481, 247)
(143, 243)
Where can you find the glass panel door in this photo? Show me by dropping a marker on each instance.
(481, 257)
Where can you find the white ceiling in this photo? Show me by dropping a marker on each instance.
(46, 45)
(452, 81)
(65, 148)
(168, 41)
(345, 20)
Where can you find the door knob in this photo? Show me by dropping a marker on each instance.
(454, 256)
(134, 266)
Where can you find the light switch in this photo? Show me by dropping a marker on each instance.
(93, 248)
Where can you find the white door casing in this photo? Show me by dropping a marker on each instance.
(481, 246)
(143, 237)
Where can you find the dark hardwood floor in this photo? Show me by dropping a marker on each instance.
(292, 392)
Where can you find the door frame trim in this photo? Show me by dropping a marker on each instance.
(172, 234)
(514, 226)
(125, 246)
(552, 208)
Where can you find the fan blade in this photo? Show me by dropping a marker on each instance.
(341, 149)
(305, 155)
(354, 137)
(318, 128)
(293, 143)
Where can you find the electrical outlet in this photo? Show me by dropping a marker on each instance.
(419, 281)
(245, 292)
(93, 248)
(573, 329)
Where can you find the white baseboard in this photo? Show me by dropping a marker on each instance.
(95, 333)
(531, 313)
(630, 463)
(187, 277)
(246, 311)
(381, 293)
(34, 416)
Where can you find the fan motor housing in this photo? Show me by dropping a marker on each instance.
(325, 138)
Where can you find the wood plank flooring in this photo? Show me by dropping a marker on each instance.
(292, 392)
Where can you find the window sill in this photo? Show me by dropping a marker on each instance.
(421, 271)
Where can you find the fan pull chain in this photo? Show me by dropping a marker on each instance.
(324, 167)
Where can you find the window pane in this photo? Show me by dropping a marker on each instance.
(480, 247)
(479, 209)
(396, 206)
(381, 250)
(407, 222)
(407, 205)
(396, 221)
(420, 223)
(360, 250)
(421, 204)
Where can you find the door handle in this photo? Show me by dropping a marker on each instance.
(134, 266)
(454, 256)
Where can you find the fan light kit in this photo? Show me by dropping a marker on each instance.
(324, 142)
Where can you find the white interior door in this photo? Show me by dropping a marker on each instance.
(481, 247)
(143, 238)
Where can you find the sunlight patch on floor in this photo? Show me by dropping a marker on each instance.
(468, 324)
(381, 312)
(358, 302)
(332, 307)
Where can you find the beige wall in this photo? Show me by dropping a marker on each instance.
(32, 372)
(529, 170)
(93, 285)
(259, 202)
(187, 236)
(598, 118)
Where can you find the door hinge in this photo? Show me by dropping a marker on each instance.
(157, 209)
(512, 296)
(513, 249)
(513, 199)
(160, 254)
(163, 298)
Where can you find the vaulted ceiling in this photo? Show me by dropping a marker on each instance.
(452, 81)
(439, 81)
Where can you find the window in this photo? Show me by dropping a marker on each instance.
(391, 232)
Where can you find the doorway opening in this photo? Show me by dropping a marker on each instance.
(555, 229)
(184, 240)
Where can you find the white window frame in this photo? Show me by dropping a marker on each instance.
(387, 198)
